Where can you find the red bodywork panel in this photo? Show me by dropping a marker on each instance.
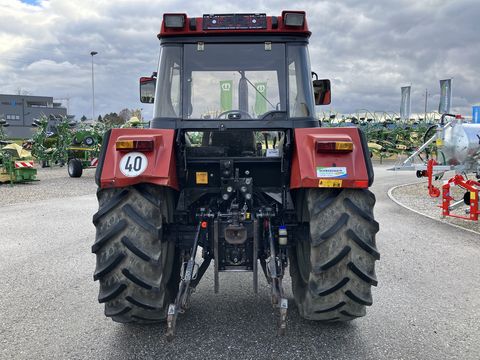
(310, 168)
(145, 79)
(161, 168)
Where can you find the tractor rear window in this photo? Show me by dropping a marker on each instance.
(237, 143)
(244, 80)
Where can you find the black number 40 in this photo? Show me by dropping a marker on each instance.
(134, 165)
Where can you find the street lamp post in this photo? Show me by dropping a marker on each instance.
(426, 102)
(93, 53)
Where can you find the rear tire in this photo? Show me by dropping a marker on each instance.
(75, 168)
(136, 266)
(333, 270)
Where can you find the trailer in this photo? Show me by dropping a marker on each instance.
(80, 158)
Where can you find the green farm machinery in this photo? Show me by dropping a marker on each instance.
(84, 151)
(16, 164)
(58, 142)
(81, 158)
(51, 140)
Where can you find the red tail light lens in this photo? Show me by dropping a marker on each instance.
(333, 146)
(130, 145)
(360, 184)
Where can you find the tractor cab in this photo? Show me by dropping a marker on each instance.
(221, 68)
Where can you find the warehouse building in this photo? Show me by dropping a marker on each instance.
(20, 111)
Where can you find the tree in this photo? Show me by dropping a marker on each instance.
(125, 114)
(83, 118)
(21, 91)
(138, 114)
(113, 120)
(99, 118)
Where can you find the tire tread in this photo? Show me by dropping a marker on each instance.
(333, 271)
(135, 265)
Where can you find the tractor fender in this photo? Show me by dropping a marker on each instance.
(159, 167)
(312, 167)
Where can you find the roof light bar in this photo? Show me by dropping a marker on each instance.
(174, 21)
(234, 21)
(295, 19)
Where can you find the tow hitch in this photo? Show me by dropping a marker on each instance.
(190, 277)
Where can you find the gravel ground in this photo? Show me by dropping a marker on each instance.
(415, 196)
(54, 183)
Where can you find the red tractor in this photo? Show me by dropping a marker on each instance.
(236, 163)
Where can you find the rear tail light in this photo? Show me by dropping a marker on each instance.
(333, 146)
(360, 184)
(130, 145)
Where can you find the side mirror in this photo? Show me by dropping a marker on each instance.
(321, 92)
(147, 89)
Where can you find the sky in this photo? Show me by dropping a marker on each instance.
(368, 48)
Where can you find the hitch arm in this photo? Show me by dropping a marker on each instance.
(187, 285)
(275, 270)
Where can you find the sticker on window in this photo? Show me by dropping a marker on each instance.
(272, 153)
(133, 164)
(331, 172)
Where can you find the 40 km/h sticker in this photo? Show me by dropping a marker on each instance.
(133, 164)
